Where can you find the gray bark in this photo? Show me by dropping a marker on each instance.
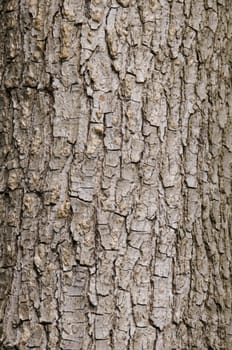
(115, 182)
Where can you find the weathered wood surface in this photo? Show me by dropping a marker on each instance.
(115, 183)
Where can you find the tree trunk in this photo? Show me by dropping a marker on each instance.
(115, 179)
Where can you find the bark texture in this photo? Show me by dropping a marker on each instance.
(116, 175)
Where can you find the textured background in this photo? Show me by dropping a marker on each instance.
(115, 185)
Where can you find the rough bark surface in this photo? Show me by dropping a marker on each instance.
(116, 175)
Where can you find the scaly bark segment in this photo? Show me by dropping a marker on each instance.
(115, 180)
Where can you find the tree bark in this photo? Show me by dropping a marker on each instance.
(115, 182)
